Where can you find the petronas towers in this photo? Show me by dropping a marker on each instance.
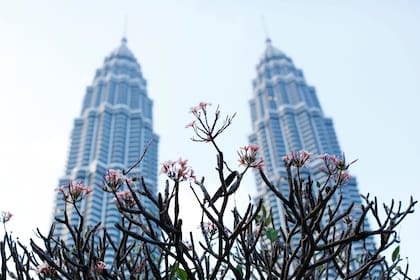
(116, 124)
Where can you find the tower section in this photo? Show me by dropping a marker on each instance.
(114, 128)
(286, 116)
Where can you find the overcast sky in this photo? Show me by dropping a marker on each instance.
(362, 57)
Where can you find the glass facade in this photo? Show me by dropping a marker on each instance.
(286, 116)
(112, 131)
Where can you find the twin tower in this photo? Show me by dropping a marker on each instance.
(116, 125)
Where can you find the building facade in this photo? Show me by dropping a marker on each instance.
(287, 116)
(113, 130)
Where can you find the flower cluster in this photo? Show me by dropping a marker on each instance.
(297, 158)
(342, 177)
(248, 157)
(210, 229)
(46, 270)
(336, 168)
(202, 107)
(205, 129)
(332, 162)
(178, 170)
(115, 178)
(99, 267)
(74, 192)
(126, 198)
(5, 216)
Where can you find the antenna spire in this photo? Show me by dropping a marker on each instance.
(125, 27)
(264, 25)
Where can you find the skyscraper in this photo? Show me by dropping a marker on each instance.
(287, 116)
(112, 131)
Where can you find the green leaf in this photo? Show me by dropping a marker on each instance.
(267, 221)
(239, 267)
(264, 211)
(320, 268)
(396, 253)
(271, 234)
(181, 274)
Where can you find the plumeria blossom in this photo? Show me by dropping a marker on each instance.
(191, 124)
(345, 176)
(115, 178)
(297, 158)
(46, 270)
(336, 168)
(210, 229)
(6, 216)
(333, 162)
(342, 177)
(74, 192)
(99, 267)
(205, 129)
(126, 198)
(178, 170)
(248, 157)
(202, 107)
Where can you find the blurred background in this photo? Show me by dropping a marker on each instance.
(361, 56)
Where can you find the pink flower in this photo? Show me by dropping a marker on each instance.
(183, 163)
(297, 158)
(203, 105)
(113, 175)
(333, 163)
(248, 157)
(74, 192)
(344, 178)
(6, 216)
(191, 124)
(126, 197)
(206, 129)
(209, 228)
(178, 170)
(335, 160)
(99, 267)
(115, 178)
(259, 164)
(195, 111)
(46, 270)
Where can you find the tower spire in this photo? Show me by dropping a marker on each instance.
(265, 28)
(124, 39)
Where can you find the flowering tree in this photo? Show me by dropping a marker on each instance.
(315, 240)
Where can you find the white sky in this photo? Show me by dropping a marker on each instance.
(362, 56)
